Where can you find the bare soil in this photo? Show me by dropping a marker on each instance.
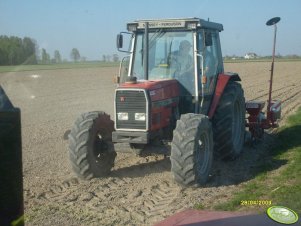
(140, 190)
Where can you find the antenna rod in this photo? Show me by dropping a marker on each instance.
(270, 22)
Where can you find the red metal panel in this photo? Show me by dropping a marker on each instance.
(149, 84)
(163, 95)
(203, 217)
(220, 86)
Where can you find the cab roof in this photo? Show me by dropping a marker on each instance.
(191, 23)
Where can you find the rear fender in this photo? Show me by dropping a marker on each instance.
(221, 84)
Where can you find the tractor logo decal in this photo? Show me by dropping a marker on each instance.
(282, 215)
(122, 99)
(152, 92)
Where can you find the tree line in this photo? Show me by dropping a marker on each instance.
(74, 55)
(15, 51)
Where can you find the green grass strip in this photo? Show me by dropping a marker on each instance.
(281, 185)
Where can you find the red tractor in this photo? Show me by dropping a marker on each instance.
(171, 87)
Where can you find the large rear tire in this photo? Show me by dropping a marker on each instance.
(192, 150)
(91, 150)
(229, 122)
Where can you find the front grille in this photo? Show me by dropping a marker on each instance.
(131, 101)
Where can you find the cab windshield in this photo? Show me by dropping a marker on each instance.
(170, 55)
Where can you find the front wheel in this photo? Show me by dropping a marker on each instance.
(192, 150)
(91, 150)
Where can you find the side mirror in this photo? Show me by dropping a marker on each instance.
(119, 41)
(208, 39)
(126, 38)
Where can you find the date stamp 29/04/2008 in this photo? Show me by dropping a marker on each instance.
(255, 202)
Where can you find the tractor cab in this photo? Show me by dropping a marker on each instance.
(187, 50)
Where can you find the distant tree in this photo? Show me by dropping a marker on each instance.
(57, 57)
(278, 55)
(115, 57)
(104, 58)
(108, 58)
(48, 58)
(29, 49)
(292, 56)
(45, 57)
(75, 56)
(15, 53)
(4, 49)
(2, 57)
(14, 50)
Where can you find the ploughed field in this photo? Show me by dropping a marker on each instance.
(140, 190)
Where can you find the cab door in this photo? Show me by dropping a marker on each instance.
(210, 64)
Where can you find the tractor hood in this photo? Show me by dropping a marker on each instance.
(157, 89)
(146, 105)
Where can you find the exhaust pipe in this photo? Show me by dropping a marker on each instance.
(145, 51)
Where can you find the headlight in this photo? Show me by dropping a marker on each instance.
(123, 116)
(140, 116)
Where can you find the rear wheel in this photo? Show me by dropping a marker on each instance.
(192, 150)
(91, 150)
(229, 122)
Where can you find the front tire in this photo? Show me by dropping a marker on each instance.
(192, 150)
(91, 150)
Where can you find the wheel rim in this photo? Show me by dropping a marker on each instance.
(236, 124)
(202, 153)
(100, 147)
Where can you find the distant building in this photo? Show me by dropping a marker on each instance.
(250, 56)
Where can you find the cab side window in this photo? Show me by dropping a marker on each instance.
(210, 50)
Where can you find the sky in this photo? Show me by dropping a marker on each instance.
(91, 26)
